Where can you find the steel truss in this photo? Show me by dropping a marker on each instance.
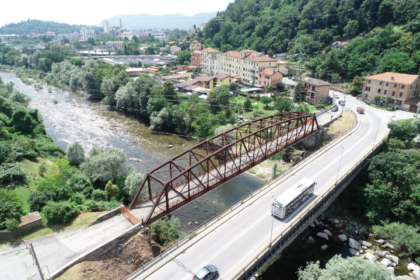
(217, 160)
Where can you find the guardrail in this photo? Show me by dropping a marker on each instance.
(317, 209)
(191, 234)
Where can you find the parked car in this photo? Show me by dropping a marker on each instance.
(209, 272)
(334, 109)
(360, 110)
(342, 103)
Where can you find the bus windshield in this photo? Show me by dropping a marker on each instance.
(278, 205)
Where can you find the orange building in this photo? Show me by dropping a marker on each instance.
(269, 76)
(196, 58)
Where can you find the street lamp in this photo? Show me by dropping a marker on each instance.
(338, 171)
(272, 222)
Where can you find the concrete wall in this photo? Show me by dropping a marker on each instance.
(14, 233)
(106, 216)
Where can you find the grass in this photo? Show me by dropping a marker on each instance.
(268, 111)
(380, 108)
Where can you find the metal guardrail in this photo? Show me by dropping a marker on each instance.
(191, 234)
(305, 218)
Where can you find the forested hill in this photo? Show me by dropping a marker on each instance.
(39, 27)
(276, 26)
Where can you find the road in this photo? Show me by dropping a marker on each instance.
(239, 238)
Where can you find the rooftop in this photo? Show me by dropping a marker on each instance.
(269, 71)
(394, 77)
(315, 82)
(29, 219)
(210, 50)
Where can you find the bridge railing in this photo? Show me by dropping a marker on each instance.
(306, 217)
(171, 247)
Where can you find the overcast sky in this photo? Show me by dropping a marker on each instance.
(93, 12)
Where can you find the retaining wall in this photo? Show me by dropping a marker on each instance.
(106, 216)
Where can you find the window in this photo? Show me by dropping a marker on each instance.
(380, 83)
(393, 93)
(395, 85)
(313, 88)
(366, 96)
(402, 87)
(385, 92)
(367, 89)
(399, 102)
(312, 95)
(387, 84)
(368, 81)
(379, 90)
(401, 94)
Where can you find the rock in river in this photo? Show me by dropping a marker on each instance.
(328, 232)
(392, 258)
(311, 240)
(386, 262)
(354, 244)
(371, 257)
(322, 235)
(342, 237)
(413, 267)
(324, 247)
(380, 241)
(353, 252)
(367, 244)
(392, 269)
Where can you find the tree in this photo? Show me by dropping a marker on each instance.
(42, 169)
(266, 100)
(166, 229)
(98, 195)
(132, 184)
(269, 88)
(377, 99)
(303, 108)
(402, 129)
(299, 95)
(17, 96)
(107, 89)
(111, 190)
(348, 268)
(183, 58)
(351, 28)
(357, 84)
(75, 153)
(247, 105)
(396, 144)
(284, 104)
(9, 208)
(106, 166)
(232, 86)
(59, 212)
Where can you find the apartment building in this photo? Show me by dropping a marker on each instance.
(317, 91)
(196, 58)
(114, 45)
(269, 77)
(209, 61)
(402, 88)
(175, 50)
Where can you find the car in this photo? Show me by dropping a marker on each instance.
(336, 96)
(342, 103)
(360, 110)
(334, 109)
(208, 272)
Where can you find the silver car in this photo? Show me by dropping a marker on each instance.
(209, 272)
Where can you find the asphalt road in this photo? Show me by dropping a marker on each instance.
(228, 246)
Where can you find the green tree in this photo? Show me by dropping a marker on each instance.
(166, 230)
(284, 104)
(299, 95)
(75, 153)
(132, 184)
(111, 191)
(42, 169)
(402, 129)
(232, 86)
(377, 99)
(351, 28)
(266, 100)
(248, 104)
(59, 212)
(107, 89)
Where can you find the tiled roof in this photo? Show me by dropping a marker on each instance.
(247, 51)
(29, 219)
(268, 71)
(210, 50)
(221, 76)
(197, 52)
(282, 62)
(235, 54)
(173, 47)
(262, 58)
(394, 77)
(315, 82)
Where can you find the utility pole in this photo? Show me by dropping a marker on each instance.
(36, 261)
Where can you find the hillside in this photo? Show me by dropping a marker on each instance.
(147, 21)
(277, 26)
(38, 26)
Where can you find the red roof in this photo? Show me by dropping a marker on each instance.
(29, 219)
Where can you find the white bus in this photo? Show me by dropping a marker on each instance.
(292, 198)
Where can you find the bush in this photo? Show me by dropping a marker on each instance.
(79, 182)
(37, 200)
(320, 107)
(78, 198)
(57, 212)
(10, 172)
(42, 169)
(88, 192)
(367, 102)
(111, 190)
(9, 211)
(402, 236)
(98, 195)
(166, 230)
(62, 194)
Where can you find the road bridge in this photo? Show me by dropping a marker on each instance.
(239, 242)
(217, 160)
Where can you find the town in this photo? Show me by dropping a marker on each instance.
(266, 140)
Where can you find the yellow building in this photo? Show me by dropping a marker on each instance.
(195, 46)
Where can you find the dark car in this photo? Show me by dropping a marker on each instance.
(334, 109)
(209, 272)
(342, 103)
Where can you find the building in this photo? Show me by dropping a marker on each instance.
(339, 45)
(317, 91)
(86, 33)
(283, 67)
(210, 60)
(106, 26)
(191, 32)
(202, 26)
(175, 50)
(50, 33)
(196, 58)
(195, 46)
(269, 77)
(114, 45)
(402, 88)
(224, 80)
(134, 72)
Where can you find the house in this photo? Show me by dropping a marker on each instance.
(269, 77)
(195, 46)
(402, 88)
(114, 45)
(180, 67)
(339, 45)
(134, 72)
(50, 33)
(223, 79)
(317, 91)
(283, 67)
(210, 60)
(175, 50)
(202, 25)
(196, 58)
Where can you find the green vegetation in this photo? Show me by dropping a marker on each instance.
(39, 27)
(166, 230)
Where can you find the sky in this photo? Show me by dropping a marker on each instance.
(93, 12)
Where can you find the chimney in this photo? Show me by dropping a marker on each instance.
(392, 78)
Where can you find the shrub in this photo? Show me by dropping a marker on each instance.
(10, 172)
(79, 182)
(75, 153)
(111, 190)
(62, 194)
(78, 198)
(37, 200)
(402, 236)
(11, 223)
(88, 192)
(42, 169)
(166, 230)
(132, 184)
(320, 107)
(98, 195)
(9, 210)
(57, 212)
(367, 102)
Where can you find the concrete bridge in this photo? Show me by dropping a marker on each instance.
(239, 243)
